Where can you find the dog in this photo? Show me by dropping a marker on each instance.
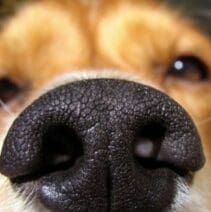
(105, 106)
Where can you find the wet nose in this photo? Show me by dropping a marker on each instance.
(102, 145)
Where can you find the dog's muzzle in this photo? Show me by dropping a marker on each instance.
(102, 145)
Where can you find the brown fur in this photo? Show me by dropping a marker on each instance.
(48, 38)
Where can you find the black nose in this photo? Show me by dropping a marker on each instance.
(102, 145)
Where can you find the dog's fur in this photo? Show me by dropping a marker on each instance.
(49, 39)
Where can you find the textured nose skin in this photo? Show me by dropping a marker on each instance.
(109, 119)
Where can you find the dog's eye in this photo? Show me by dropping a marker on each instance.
(189, 68)
(8, 89)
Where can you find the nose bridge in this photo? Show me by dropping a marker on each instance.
(123, 184)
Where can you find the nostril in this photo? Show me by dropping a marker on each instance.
(61, 148)
(148, 140)
(147, 147)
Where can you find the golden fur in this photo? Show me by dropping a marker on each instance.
(48, 38)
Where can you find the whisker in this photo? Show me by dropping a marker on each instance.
(205, 121)
(31, 196)
(6, 108)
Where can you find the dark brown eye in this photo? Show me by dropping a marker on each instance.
(189, 68)
(8, 89)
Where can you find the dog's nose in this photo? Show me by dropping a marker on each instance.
(102, 145)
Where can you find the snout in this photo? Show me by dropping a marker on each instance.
(102, 145)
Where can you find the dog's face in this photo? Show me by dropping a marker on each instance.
(104, 107)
